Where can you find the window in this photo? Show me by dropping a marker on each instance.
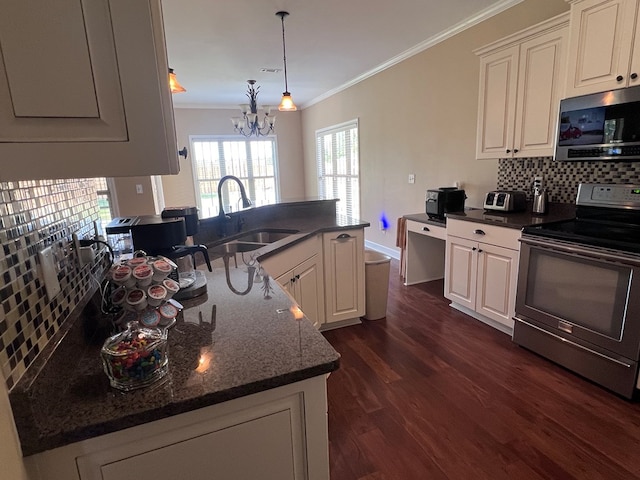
(254, 162)
(339, 166)
(105, 202)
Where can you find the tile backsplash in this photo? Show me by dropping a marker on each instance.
(562, 178)
(34, 215)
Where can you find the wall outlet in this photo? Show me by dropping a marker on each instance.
(139, 189)
(76, 247)
(48, 272)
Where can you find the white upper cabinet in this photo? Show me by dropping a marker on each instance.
(84, 90)
(604, 49)
(521, 81)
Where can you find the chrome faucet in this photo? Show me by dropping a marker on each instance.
(246, 201)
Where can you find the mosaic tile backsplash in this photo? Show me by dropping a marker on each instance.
(34, 215)
(562, 178)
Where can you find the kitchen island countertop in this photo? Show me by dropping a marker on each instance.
(244, 336)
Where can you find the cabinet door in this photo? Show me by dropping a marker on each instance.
(461, 267)
(285, 282)
(497, 103)
(261, 448)
(344, 275)
(541, 79)
(496, 289)
(602, 33)
(309, 289)
(84, 90)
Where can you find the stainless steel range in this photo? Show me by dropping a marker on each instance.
(578, 297)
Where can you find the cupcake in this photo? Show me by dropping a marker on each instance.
(143, 275)
(156, 294)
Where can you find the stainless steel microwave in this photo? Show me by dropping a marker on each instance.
(600, 126)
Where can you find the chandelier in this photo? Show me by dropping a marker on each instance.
(250, 123)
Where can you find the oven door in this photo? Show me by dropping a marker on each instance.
(582, 294)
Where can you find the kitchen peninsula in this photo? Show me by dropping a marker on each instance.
(245, 395)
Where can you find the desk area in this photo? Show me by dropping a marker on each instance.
(425, 249)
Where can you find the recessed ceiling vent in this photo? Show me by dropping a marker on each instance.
(270, 70)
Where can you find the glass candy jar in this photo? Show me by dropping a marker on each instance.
(136, 357)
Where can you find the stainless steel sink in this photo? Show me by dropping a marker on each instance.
(266, 236)
(233, 247)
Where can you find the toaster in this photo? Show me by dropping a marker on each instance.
(506, 201)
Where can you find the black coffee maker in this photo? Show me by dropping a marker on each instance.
(167, 235)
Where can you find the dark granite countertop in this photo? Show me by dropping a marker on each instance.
(254, 344)
(556, 212)
(517, 220)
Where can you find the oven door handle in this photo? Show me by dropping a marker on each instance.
(582, 251)
(574, 344)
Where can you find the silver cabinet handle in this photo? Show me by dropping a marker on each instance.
(478, 232)
(343, 236)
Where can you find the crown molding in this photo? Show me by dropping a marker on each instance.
(430, 42)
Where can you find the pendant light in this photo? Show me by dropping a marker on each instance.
(174, 85)
(286, 105)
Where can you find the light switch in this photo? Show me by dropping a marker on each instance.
(48, 272)
(139, 189)
(412, 178)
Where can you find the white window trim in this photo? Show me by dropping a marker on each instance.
(334, 128)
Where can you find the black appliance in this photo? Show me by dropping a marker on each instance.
(166, 235)
(444, 200)
(600, 126)
(578, 294)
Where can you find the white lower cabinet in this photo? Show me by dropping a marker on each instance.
(344, 277)
(305, 284)
(481, 271)
(279, 434)
(299, 271)
(325, 276)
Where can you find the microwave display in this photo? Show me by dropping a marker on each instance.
(600, 126)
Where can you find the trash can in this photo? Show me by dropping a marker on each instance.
(376, 272)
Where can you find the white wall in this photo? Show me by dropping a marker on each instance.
(419, 117)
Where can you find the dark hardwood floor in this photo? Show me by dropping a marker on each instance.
(430, 393)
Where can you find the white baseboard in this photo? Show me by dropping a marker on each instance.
(392, 252)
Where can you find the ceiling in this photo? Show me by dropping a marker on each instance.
(215, 46)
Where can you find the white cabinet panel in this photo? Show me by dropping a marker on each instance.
(521, 83)
(260, 448)
(344, 275)
(84, 90)
(602, 53)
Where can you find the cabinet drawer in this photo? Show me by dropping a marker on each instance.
(278, 264)
(427, 229)
(481, 232)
